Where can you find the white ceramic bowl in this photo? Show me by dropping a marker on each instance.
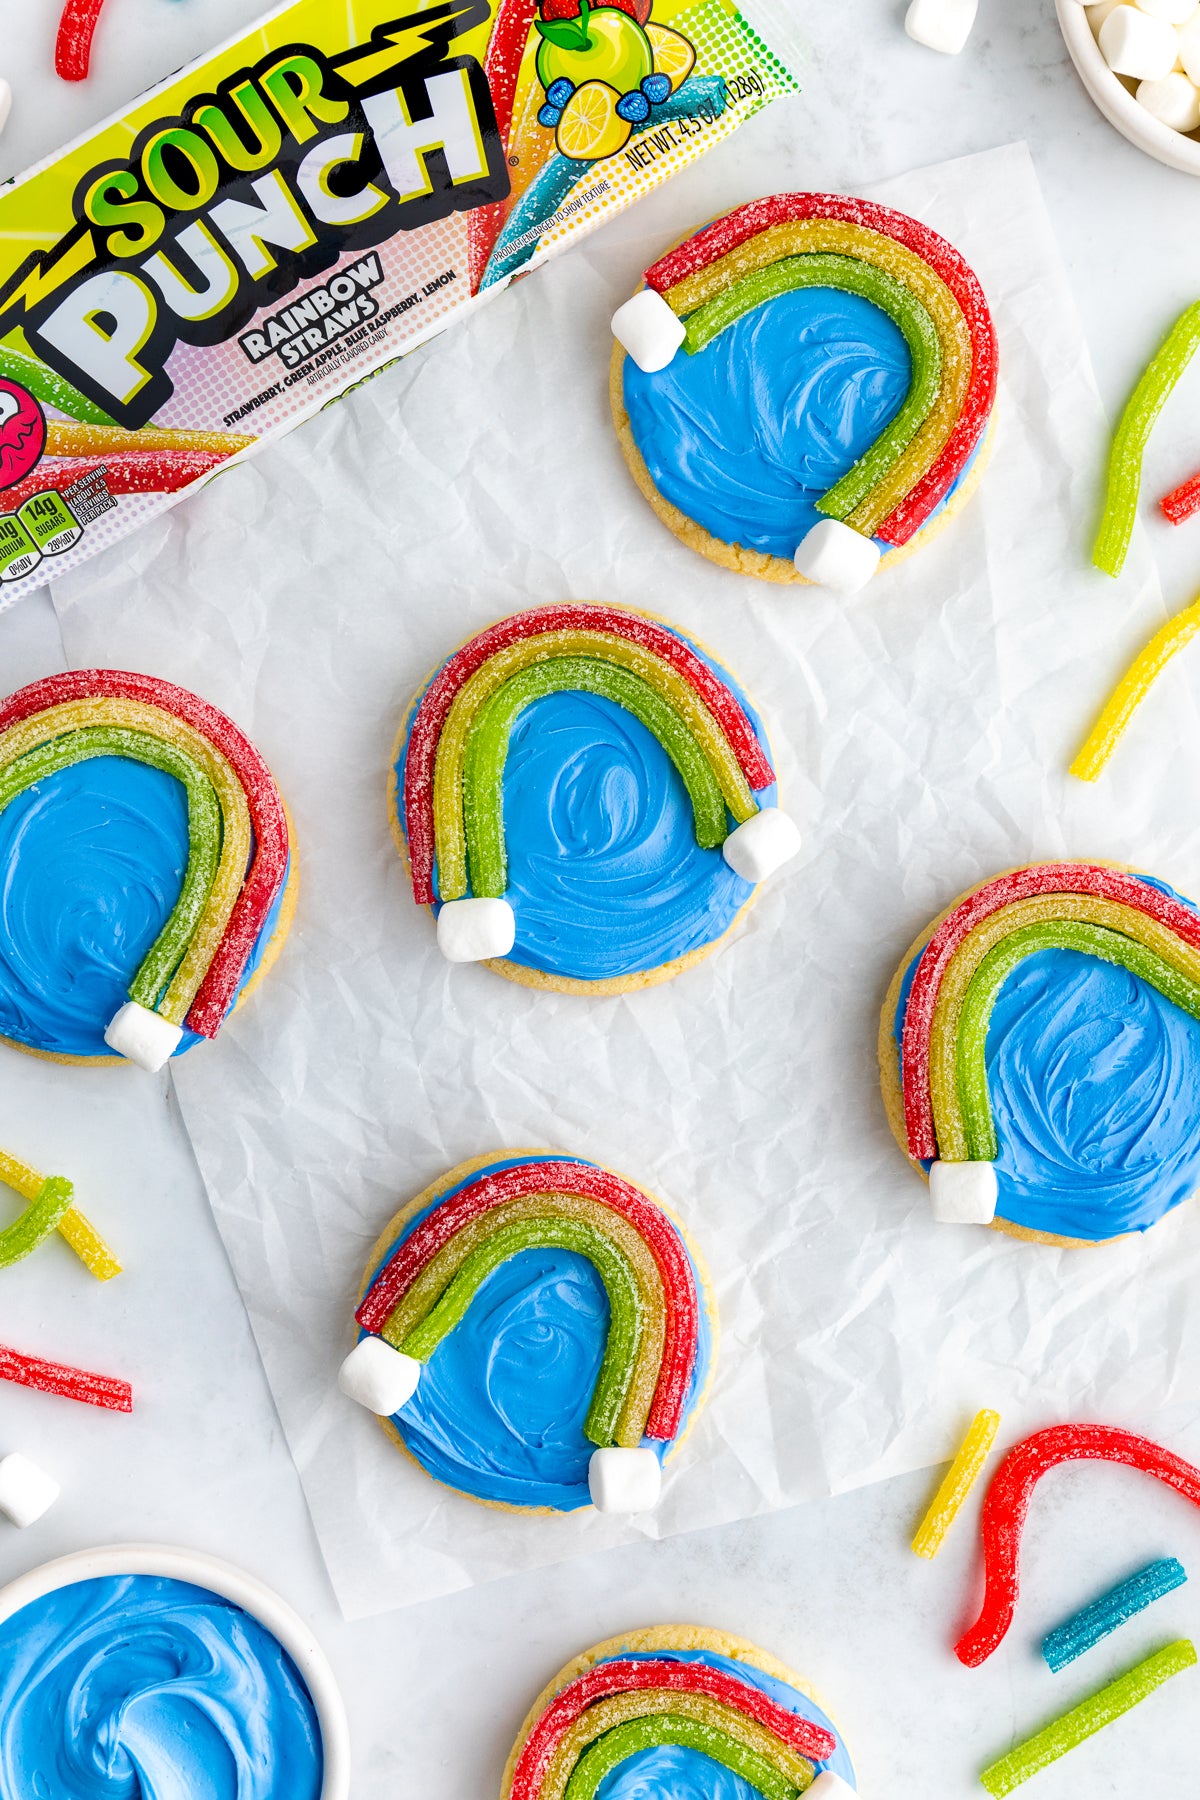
(1115, 100)
(230, 1584)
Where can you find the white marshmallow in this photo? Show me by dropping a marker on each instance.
(829, 1786)
(963, 1193)
(836, 556)
(1132, 43)
(26, 1492)
(647, 328)
(625, 1481)
(1189, 51)
(5, 102)
(473, 930)
(943, 25)
(1173, 101)
(762, 844)
(1175, 12)
(145, 1037)
(378, 1377)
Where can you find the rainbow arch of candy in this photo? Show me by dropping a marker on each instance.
(429, 1282)
(1089, 907)
(237, 832)
(619, 1709)
(794, 240)
(454, 763)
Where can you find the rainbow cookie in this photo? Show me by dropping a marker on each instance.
(585, 799)
(145, 868)
(674, 1712)
(536, 1333)
(832, 402)
(1040, 1053)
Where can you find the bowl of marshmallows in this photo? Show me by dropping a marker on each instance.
(1140, 62)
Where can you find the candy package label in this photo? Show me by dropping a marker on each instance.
(295, 211)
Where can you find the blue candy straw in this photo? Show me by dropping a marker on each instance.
(1087, 1628)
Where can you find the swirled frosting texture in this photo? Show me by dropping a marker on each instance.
(91, 863)
(604, 872)
(1094, 1081)
(137, 1687)
(675, 1773)
(500, 1408)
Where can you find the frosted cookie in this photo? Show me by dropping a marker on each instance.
(585, 799)
(537, 1334)
(1040, 1053)
(808, 387)
(677, 1712)
(145, 868)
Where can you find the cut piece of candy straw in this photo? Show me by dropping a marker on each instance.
(1132, 434)
(61, 1379)
(1075, 1727)
(73, 1227)
(1132, 689)
(963, 1473)
(1182, 501)
(1093, 1623)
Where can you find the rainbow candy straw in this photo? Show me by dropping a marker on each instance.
(1107, 1614)
(1132, 689)
(963, 1473)
(1132, 435)
(1075, 1727)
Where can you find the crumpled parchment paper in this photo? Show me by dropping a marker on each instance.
(922, 732)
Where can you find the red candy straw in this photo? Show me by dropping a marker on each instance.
(73, 46)
(59, 1378)
(1183, 501)
(1007, 1505)
(140, 472)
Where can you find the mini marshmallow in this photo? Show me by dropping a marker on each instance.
(963, 1193)
(1132, 43)
(624, 1481)
(834, 555)
(5, 102)
(378, 1377)
(26, 1492)
(145, 1037)
(762, 844)
(1189, 51)
(1174, 12)
(647, 328)
(829, 1786)
(943, 25)
(473, 930)
(1173, 101)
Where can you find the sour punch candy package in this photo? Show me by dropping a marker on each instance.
(303, 206)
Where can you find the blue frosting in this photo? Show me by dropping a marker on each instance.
(674, 1773)
(500, 1408)
(745, 436)
(91, 863)
(1094, 1079)
(143, 1688)
(604, 873)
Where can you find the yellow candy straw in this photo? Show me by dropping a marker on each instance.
(1132, 689)
(78, 1231)
(961, 1477)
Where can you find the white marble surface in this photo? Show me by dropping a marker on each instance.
(436, 1692)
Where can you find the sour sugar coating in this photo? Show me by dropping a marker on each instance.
(68, 1383)
(511, 27)
(1007, 1506)
(1094, 1623)
(48, 388)
(73, 45)
(435, 706)
(151, 472)
(596, 1764)
(728, 234)
(1074, 1728)
(109, 440)
(42, 1216)
(1131, 690)
(490, 1192)
(961, 1477)
(51, 1196)
(88, 1245)
(1124, 481)
(1182, 502)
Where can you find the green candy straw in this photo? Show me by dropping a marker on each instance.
(1075, 1727)
(1132, 434)
(39, 1219)
(487, 751)
(993, 972)
(657, 1729)
(204, 830)
(891, 297)
(49, 388)
(614, 1270)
